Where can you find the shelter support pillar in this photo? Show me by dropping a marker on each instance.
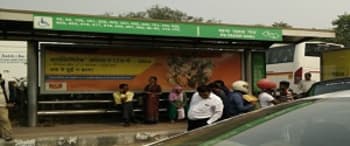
(247, 68)
(32, 69)
(254, 68)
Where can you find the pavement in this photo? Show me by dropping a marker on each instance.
(94, 134)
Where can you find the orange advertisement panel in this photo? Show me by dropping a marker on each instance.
(81, 70)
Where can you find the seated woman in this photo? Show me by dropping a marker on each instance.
(177, 103)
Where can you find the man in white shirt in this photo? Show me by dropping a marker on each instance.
(266, 100)
(305, 85)
(267, 89)
(205, 108)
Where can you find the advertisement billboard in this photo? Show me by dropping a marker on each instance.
(72, 69)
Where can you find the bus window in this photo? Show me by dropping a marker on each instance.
(315, 49)
(282, 54)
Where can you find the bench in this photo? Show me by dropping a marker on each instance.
(86, 104)
(86, 111)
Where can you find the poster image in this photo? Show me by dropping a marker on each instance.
(102, 70)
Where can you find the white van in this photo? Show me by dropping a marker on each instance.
(289, 62)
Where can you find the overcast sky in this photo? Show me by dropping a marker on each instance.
(298, 13)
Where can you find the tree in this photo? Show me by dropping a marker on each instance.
(342, 29)
(166, 13)
(281, 24)
(109, 14)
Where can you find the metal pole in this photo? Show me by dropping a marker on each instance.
(32, 70)
(248, 69)
(243, 65)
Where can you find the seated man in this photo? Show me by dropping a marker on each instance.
(124, 98)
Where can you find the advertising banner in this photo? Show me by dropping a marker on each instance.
(82, 70)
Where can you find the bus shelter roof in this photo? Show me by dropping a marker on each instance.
(102, 30)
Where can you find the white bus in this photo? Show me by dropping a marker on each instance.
(289, 62)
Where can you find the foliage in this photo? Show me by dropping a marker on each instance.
(166, 13)
(342, 29)
(281, 24)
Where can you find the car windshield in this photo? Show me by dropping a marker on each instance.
(325, 123)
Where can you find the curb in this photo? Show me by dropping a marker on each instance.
(130, 139)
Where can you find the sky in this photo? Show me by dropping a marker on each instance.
(298, 13)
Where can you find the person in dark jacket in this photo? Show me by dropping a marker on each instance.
(217, 90)
(222, 86)
(236, 103)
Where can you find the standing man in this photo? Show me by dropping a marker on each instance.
(124, 98)
(205, 108)
(5, 124)
(305, 84)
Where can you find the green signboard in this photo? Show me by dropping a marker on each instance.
(120, 26)
(239, 32)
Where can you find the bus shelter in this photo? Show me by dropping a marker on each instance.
(79, 54)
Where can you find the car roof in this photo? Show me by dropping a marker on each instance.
(336, 94)
(336, 80)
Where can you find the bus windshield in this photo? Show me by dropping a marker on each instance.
(281, 54)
